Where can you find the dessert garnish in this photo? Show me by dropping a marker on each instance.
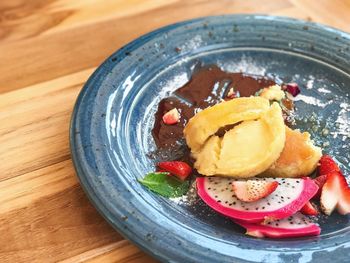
(253, 190)
(319, 180)
(288, 198)
(309, 209)
(171, 117)
(327, 165)
(297, 225)
(335, 192)
(179, 169)
(292, 88)
(231, 94)
(249, 162)
(164, 184)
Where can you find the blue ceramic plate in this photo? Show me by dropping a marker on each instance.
(113, 117)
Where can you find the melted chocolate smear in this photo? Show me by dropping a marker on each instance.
(208, 86)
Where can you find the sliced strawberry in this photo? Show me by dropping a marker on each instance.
(309, 209)
(320, 180)
(171, 117)
(180, 169)
(327, 165)
(253, 190)
(231, 94)
(335, 194)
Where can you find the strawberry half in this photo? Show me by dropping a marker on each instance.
(327, 165)
(253, 190)
(320, 180)
(335, 194)
(171, 117)
(180, 169)
(309, 209)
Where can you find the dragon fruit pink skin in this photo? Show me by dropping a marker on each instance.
(217, 193)
(297, 225)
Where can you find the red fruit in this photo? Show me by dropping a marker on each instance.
(327, 165)
(253, 190)
(297, 225)
(309, 209)
(292, 88)
(320, 180)
(289, 197)
(231, 94)
(335, 194)
(171, 117)
(180, 169)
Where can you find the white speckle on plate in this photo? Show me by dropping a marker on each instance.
(324, 90)
(310, 82)
(191, 44)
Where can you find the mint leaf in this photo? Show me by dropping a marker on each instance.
(165, 185)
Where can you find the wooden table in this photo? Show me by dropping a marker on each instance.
(48, 49)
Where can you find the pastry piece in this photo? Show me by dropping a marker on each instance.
(298, 158)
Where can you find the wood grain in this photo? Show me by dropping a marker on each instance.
(48, 50)
(39, 115)
(121, 252)
(60, 225)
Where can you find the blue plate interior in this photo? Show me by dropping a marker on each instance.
(112, 121)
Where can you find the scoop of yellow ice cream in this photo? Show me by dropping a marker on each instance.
(207, 122)
(249, 148)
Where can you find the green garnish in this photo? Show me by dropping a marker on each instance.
(165, 185)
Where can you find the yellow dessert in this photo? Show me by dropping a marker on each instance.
(298, 158)
(246, 150)
(207, 122)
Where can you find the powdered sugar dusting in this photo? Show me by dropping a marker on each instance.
(343, 121)
(173, 84)
(311, 100)
(245, 65)
(191, 198)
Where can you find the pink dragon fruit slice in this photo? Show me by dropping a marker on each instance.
(289, 197)
(297, 225)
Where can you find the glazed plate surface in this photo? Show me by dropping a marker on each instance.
(111, 131)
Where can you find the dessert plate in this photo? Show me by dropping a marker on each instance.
(111, 126)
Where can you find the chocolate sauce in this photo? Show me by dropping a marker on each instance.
(208, 86)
